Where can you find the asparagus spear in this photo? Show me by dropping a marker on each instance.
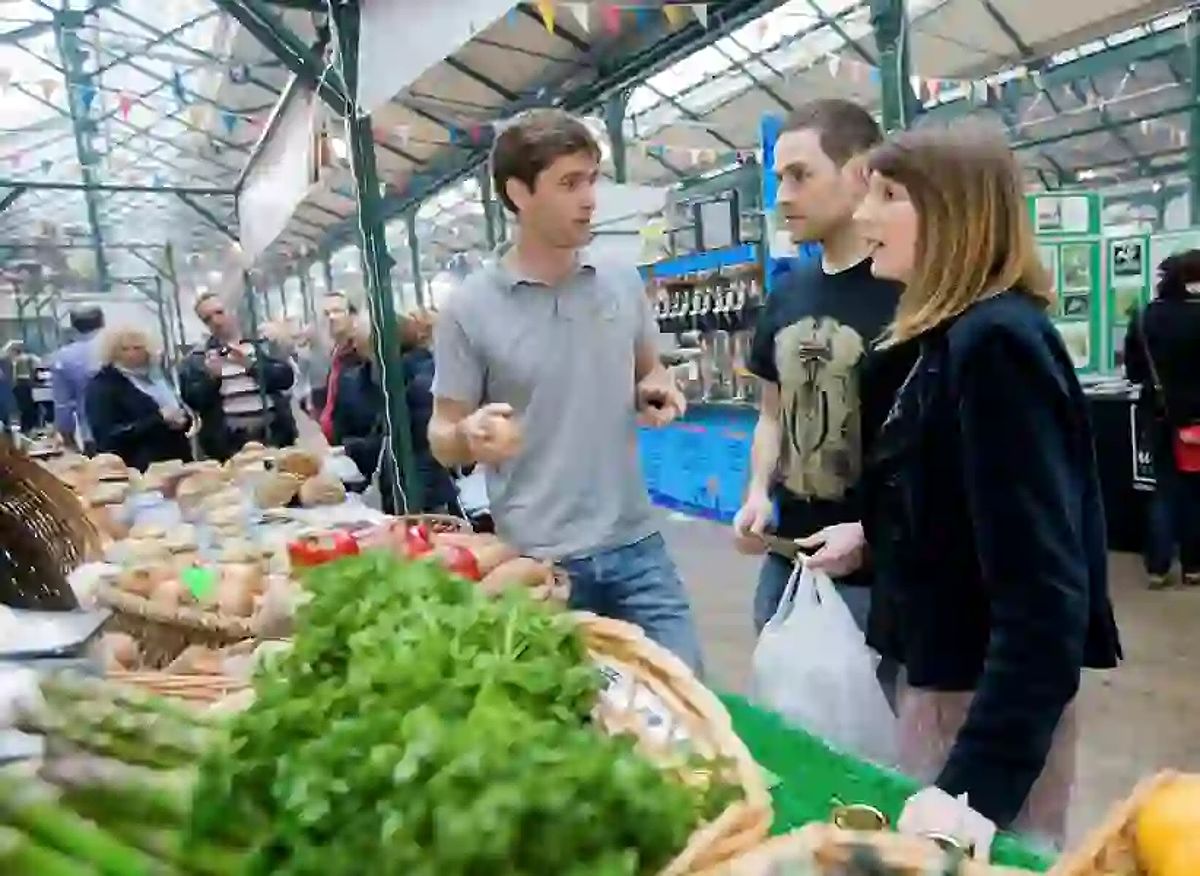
(70, 686)
(137, 793)
(30, 805)
(116, 738)
(21, 855)
(195, 859)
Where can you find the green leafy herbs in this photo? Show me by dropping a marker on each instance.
(426, 729)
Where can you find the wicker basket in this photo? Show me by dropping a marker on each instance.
(438, 522)
(163, 634)
(45, 534)
(641, 669)
(1111, 849)
(194, 688)
(825, 849)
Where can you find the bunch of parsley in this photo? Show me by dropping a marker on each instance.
(419, 728)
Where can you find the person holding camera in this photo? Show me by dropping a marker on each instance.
(237, 389)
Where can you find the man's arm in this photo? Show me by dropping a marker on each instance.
(458, 388)
(64, 391)
(446, 437)
(758, 511)
(764, 451)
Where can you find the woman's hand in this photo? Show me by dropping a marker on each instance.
(838, 550)
(934, 812)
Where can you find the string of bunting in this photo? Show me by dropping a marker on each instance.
(611, 17)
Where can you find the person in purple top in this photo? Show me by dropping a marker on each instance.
(74, 366)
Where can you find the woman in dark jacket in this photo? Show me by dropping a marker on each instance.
(356, 415)
(133, 410)
(982, 510)
(1167, 334)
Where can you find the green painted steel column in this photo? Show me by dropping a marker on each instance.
(889, 21)
(79, 84)
(252, 314)
(22, 321)
(614, 121)
(489, 207)
(305, 298)
(173, 275)
(1193, 37)
(164, 326)
(414, 253)
(328, 267)
(377, 264)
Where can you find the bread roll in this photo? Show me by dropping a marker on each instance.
(302, 463)
(276, 489)
(322, 490)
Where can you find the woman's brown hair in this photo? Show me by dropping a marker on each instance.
(974, 235)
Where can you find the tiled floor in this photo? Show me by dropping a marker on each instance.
(1140, 718)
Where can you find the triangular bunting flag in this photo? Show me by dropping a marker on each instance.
(46, 165)
(583, 14)
(643, 18)
(700, 10)
(48, 86)
(873, 75)
(124, 105)
(87, 95)
(611, 17)
(935, 88)
(198, 116)
(229, 121)
(5, 78)
(177, 87)
(545, 8)
(674, 14)
(835, 63)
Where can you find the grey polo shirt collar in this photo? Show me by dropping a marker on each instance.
(510, 279)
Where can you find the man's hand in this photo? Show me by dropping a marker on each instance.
(213, 364)
(752, 521)
(492, 434)
(839, 550)
(659, 400)
(175, 418)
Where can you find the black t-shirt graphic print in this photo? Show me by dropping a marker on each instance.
(814, 339)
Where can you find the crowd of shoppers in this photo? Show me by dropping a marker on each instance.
(922, 434)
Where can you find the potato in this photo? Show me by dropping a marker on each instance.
(521, 572)
(142, 580)
(248, 575)
(490, 557)
(196, 660)
(121, 651)
(168, 595)
(234, 598)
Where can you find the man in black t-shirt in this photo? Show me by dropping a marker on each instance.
(810, 350)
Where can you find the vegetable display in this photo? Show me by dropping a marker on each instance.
(420, 725)
(414, 726)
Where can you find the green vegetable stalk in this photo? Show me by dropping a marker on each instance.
(20, 855)
(31, 807)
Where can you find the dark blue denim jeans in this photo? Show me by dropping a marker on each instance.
(639, 584)
(1173, 514)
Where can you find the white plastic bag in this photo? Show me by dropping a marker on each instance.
(813, 667)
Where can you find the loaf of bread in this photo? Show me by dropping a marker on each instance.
(322, 490)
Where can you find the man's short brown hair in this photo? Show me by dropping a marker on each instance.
(533, 141)
(844, 128)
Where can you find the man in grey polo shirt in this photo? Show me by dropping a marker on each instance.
(544, 361)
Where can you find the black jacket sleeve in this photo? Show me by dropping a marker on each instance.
(1021, 444)
(114, 427)
(199, 389)
(1137, 369)
(276, 375)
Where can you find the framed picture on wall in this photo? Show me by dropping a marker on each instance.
(1076, 267)
(1077, 336)
(1128, 263)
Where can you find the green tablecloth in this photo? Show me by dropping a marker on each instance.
(809, 774)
